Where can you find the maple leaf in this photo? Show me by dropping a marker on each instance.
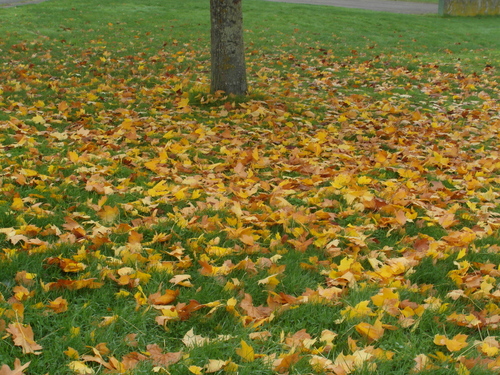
(197, 370)
(458, 342)
(270, 282)
(109, 214)
(345, 364)
(74, 284)
(191, 340)
(23, 336)
(80, 368)
(360, 310)
(182, 280)
(423, 363)
(163, 359)
(246, 352)
(163, 299)
(369, 331)
(283, 364)
(17, 204)
(25, 278)
(58, 305)
(261, 335)
(252, 311)
(67, 265)
(72, 353)
(215, 365)
(131, 360)
(22, 293)
(18, 368)
(489, 346)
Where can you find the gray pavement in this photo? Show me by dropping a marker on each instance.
(376, 5)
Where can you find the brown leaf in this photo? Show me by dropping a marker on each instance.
(131, 360)
(163, 359)
(18, 369)
(282, 365)
(23, 336)
(252, 311)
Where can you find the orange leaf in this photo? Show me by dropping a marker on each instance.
(67, 265)
(163, 299)
(282, 365)
(58, 305)
(370, 332)
(74, 284)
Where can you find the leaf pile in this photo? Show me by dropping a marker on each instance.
(342, 219)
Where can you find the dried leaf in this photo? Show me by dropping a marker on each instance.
(18, 368)
(23, 336)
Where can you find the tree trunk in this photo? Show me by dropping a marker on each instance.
(228, 53)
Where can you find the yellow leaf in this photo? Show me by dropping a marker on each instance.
(440, 340)
(490, 351)
(72, 353)
(246, 352)
(370, 332)
(181, 194)
(214, 365)
(197, 370)
(270, 281)
(461, 253)
(184, 102)
(159, 189)
(218, 251)
(231, 367)
(360, 310)
(341, 180)
(80, 368)
(108, 214)
(74, 331)
(38, 119)
(383, 296)
(363, 180)
(462, 370)
(458, 342)
(17, 204)
(108, 320)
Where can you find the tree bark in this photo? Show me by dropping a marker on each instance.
(227, 49)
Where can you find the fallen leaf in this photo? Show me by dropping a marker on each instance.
(246, 352)
(18, 368)
(23, 336)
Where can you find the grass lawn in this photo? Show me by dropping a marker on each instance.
(341, 219)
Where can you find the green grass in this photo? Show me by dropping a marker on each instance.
(327, 186)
